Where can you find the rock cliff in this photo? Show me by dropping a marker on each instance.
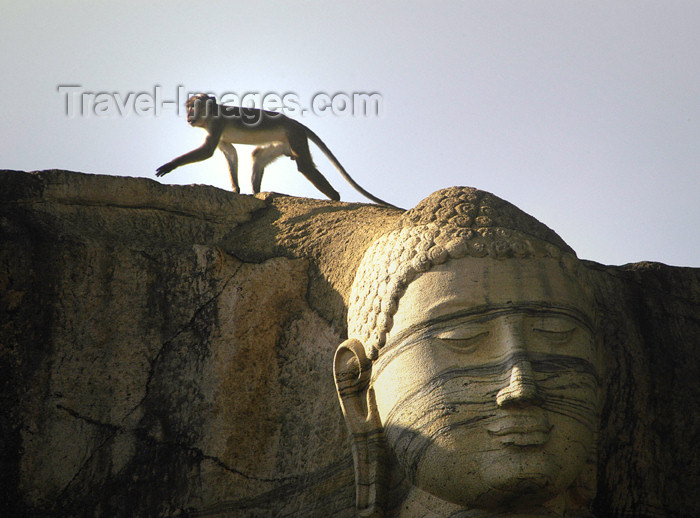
(167, 351)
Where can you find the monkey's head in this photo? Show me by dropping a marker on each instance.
(199, 108)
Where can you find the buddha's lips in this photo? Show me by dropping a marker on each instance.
(521, 430)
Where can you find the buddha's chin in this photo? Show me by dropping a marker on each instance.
(526, 479)
(530, 484)
(503, 478)
(512, 493)
(525, 489)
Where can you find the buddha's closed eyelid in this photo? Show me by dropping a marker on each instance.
(555, 334)
(463, 338)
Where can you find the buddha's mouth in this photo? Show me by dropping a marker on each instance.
(520, 430)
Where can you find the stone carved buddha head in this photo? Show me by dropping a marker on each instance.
(470, 378)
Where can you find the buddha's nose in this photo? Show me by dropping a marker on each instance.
(521, 389)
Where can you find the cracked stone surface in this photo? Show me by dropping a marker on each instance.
(167, 351)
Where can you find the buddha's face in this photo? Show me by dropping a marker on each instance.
(487, 386)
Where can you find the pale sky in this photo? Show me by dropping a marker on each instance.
(584, 114)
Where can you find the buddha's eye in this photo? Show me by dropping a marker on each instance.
(463, 339)
(556, 330)
(560, 337)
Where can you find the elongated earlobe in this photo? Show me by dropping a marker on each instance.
(352, 371)
(583, 491)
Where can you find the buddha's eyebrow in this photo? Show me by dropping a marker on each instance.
(485, 313)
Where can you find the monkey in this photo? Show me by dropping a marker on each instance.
(274, 134)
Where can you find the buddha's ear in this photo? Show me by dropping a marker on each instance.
(582, 492)
(580, 495)
(352, 371)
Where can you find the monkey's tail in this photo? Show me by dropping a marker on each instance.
(317, 140)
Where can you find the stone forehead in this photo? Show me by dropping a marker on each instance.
(449, 224)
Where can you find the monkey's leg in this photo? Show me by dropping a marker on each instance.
(309, 170)
(262, 157)
(232, 158)
(305, 165)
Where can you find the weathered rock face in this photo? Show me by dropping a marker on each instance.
(168, 350)
(648, 458)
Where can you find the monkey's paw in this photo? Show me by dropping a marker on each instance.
(164, 169)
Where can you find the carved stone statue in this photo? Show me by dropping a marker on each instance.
(166, 352)
(470, 380)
